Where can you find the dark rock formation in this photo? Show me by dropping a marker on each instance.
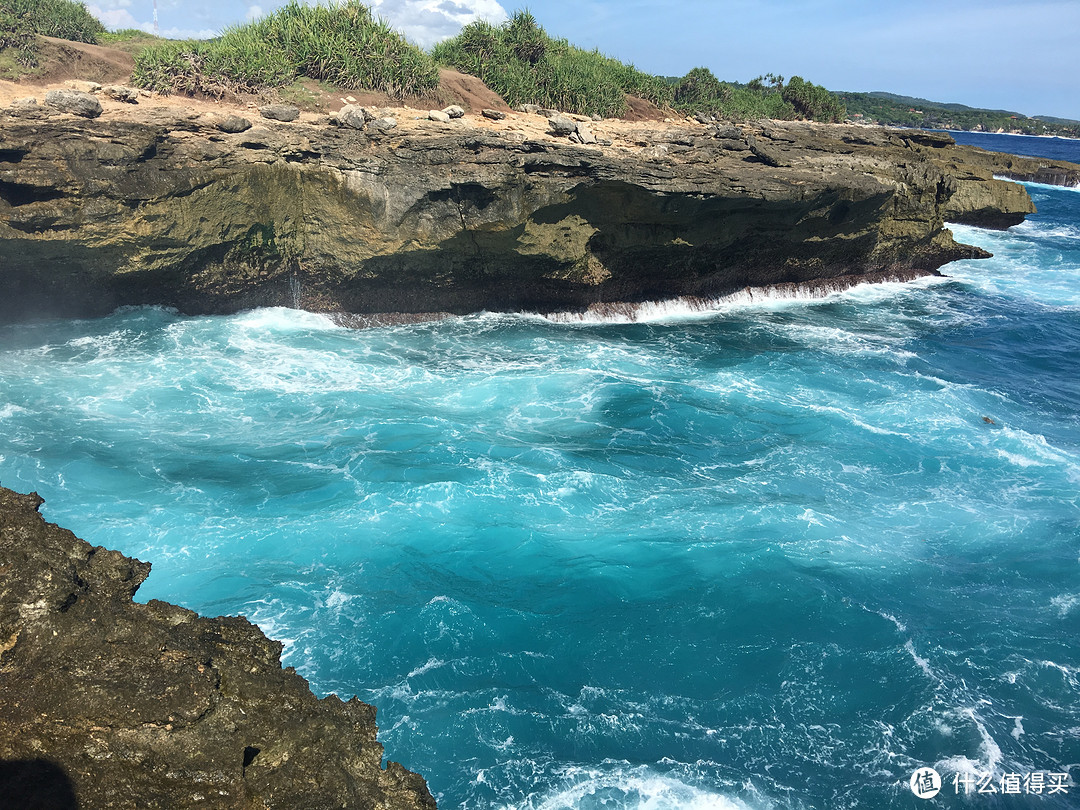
(167, 209)
(233, 124)
(105, 703)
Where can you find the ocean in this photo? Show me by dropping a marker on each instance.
(785, 554)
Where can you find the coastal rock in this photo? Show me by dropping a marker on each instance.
(384, 124)
(113, 704)
(83, 86)
(454, 111)
(232, 124)
(151, 210)
(767, 155)
(118, 92)
(585, 134)
(439, 115)
(350, 116)
(280, 112)
(561, 126)
(494, 115)
(74, 102)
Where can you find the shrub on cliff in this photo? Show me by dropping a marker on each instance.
(764, 97)
(22, 20)
(342, 44)
(520, 62)
(813, 101)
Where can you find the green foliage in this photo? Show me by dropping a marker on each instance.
(341, 44)
(699, 91)
(903, 111)
(129, 40)
(520, 62)
(22, 20)
(813, 101)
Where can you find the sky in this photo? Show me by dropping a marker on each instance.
(1017, 55)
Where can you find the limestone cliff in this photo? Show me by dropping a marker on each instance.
(167, 209)
(105, 703)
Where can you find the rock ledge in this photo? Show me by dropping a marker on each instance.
(107, 703)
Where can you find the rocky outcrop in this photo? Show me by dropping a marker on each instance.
(166, 208)
(983, 199)
(105, 703)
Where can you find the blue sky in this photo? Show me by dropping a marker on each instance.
(1002, 54)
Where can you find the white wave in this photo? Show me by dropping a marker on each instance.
(283, 319)
(1040, 229)
(631, 790)
(1028, 183)
(686, 308)
(1065, 603)
(990, 755)
(924, 665)
(10, 410)
(430, 664)
(1018, 728)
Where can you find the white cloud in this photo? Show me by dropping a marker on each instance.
(117, 18)
(428, 21)
(254, 12)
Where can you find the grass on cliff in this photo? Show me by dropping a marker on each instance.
(341, 44)
(21, 21)
(520, 62)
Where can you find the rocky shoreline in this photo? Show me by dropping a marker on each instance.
(399, 216)
(379, 219)
(112, 704)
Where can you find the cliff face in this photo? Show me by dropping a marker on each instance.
(111, 704)
(163, 208)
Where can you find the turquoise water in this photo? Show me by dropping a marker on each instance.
(778, 555)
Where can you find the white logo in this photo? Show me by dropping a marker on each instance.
(925, 783)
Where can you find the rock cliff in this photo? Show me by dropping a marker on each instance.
(163, 207)
(111, 704)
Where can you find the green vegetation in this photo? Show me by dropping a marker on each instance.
(905, 111)
(520, 62)
(130, 40)
(764, 97)
(21, 21)
(345, 46)
(341, 44)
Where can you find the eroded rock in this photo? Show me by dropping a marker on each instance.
(112, 704)
(280, 112)
(561, 126)
(118, 92)
(232, 124)
(75, 102)
(150, 210)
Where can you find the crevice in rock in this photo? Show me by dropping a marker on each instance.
(17, 194)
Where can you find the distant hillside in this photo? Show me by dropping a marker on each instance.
(1065, 122)
(914, 101)
(890, 109)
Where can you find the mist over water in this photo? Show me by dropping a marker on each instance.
(779, 555)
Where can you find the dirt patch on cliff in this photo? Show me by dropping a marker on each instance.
(454, 88)
(639, 109)
(62, 60)
(470, 92)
